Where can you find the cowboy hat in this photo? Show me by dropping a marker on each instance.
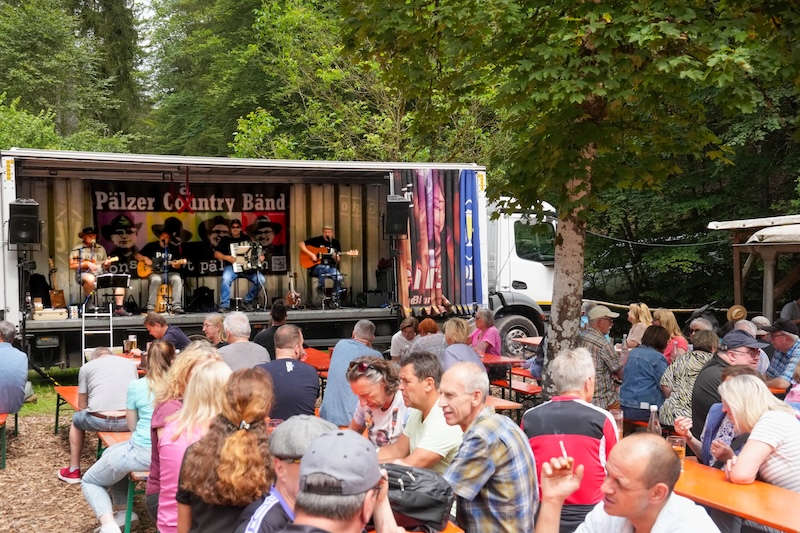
(736, 312)
(205, 227)
(117, 223)
(88, 230)
(173, 227)
(262, 222)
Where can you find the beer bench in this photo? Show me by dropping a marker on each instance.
(3, 418)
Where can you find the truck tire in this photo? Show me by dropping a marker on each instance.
(512, 327)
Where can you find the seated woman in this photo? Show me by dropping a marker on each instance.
(642, 374)
(230, 466)
(213, 330)
(113, 467)
(168, 401)
(678, 380)
(677, 344)
(456, 334)
(486, 339)
(718, 433)
(201, 404)
(640, 318)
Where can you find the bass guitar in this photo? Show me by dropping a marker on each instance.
(321, 253)
(144, 270)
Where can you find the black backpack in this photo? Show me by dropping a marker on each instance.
(420, 499)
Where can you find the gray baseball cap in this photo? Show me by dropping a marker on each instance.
(291, 438)
(345, 456)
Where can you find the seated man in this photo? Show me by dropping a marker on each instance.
(223, 253)
(380, 410)
(102, 399)
(14, 384)
(88, 260)
(402, 339)
(295, 384)
(427, 441)
(240, 352)
(328, 265)
(339, 402)
(641, 473)
(266, 337)
(587, 431)
(287, 444)
(494, 473)
(157, 326)
(784, 337)
(165, 259)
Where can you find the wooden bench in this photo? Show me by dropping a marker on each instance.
(524, 373)
(3, 418)
(518, 387)
(65, 395)
(106, 439)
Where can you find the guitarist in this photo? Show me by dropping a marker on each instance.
(328, 266)
(223, 253)
(88, 261)
(164, 257)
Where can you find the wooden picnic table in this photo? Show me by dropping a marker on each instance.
(529, 341)
(501, 404)
(758, 501)
(319, 359)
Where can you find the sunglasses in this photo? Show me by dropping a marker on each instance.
(236, 227)
(262, 231)
(361, 367)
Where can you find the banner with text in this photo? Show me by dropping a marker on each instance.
(130, 215)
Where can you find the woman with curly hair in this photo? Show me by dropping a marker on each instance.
(230, 467)
(381, 409)
(202, 402)
(168, 400)
(112, 469)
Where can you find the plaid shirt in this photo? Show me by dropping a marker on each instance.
(494, 477)
(606, 363)
(783, 364)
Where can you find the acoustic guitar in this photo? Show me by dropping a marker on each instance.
(293, 299)
(322, 252)
(144, 270)
(57, 300)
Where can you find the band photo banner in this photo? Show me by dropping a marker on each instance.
(130, 215)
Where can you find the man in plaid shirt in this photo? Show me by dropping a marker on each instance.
(494, 473)
(607, 364)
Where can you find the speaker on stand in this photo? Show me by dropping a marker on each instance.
(23, 222)
(398, 210)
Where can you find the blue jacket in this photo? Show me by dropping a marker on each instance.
(640, 380)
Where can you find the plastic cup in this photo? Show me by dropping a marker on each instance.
(617, 414)
(678, 446)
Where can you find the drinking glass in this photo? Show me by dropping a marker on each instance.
(617, 414)
(678, 446)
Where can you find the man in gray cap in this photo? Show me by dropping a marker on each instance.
(607, 363)
(287, 444)
(341, 486)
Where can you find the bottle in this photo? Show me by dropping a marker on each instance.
(654, 425)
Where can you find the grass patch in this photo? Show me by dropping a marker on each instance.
(45, 395)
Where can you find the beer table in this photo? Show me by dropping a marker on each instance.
(532, 342)
(319, 359)
(758, 501)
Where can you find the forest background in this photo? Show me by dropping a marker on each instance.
(345, 80)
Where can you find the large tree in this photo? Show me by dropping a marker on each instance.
(592, 94)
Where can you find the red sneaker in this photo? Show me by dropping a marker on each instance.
(70, 476)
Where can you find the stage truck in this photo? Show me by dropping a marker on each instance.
(422, 238)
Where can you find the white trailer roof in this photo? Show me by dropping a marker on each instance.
(751, 223)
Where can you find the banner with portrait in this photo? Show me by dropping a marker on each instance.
(129, 215)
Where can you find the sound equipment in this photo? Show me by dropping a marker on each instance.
(23, 222)
(322, 252)
(397, 212)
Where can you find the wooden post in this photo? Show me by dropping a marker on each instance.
(737, 270)
(768, 296)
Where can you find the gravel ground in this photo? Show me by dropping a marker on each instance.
(32, 498)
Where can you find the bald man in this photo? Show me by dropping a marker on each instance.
(641, 472)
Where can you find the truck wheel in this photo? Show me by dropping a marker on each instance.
(513, 327)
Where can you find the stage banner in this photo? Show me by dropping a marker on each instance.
(130, 215)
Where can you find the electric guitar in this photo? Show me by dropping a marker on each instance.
(322, 252)
(144, 270)
(293, 299)
(57, 300)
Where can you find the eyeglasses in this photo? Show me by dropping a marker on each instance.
(751, 352)
(262, 231)
(236, 227)
(290, 460)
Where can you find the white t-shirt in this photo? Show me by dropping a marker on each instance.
(433, 434)
(780, 430)
(400, 345)
(383, 426)
(679, 515)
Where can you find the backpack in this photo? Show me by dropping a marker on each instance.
(420, 499)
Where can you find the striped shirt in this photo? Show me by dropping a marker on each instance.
(783, 364)
(680, 376)
(606, 364)
(494, 477)
(781, 431)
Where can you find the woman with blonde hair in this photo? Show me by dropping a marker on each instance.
(213, 330)
(459, 349)
(640, 318)
(202, 402)
(772, 451)
(230, 466)
(677, 344)
(168, 401)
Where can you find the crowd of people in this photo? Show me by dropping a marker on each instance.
(230, 432)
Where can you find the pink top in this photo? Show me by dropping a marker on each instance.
(160, 414)
(682, 343)
(492, 338)
(794, 394)
(170, 453)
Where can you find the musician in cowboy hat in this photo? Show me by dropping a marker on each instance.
(224, 253)
(88, 261)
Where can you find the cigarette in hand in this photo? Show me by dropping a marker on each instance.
(563, 449)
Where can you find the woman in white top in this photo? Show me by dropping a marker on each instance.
(772, 452)
(640, 318)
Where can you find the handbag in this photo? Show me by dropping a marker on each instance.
(420, 499)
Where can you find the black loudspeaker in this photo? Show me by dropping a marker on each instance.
(397, 210)
(23, 222)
